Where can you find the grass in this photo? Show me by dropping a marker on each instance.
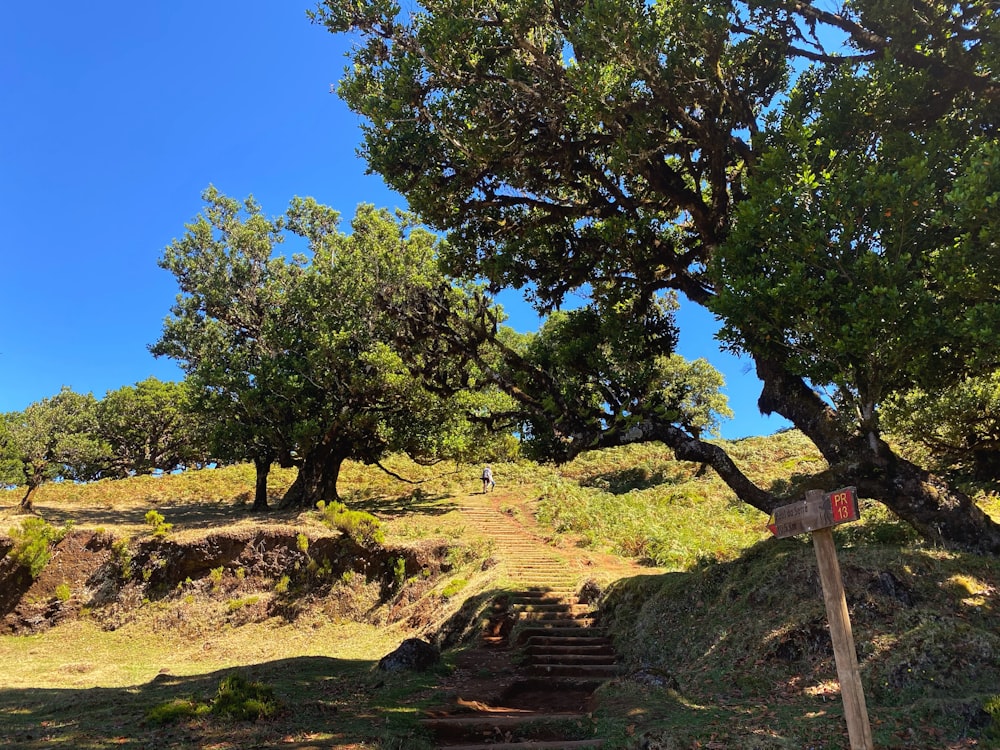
(724, 637)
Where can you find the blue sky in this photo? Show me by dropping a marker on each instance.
(115, 116)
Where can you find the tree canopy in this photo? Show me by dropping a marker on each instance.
(800, 172)
(52, 438)
(150, 426)
(295, 357)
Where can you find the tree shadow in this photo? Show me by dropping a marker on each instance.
(626, 480)
(417, 502)
(184, 516)
(326, 702)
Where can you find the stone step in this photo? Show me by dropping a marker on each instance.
(605, 671)
(555, 622)
(554, 605)
(531, 745)
(560, 623)
(581, 649)
(571, 659)
(541, 640)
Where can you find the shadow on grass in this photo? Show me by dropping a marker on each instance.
(417, 503)
(329, 703)
(626, 480)
(184, 515)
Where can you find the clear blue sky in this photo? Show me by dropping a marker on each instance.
(114, 116)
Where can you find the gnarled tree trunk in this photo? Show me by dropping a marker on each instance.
(937, 510)
(317, 477)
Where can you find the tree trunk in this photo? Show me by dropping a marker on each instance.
(317, 477)
(263, 466)
(935, 509)
(26, 505)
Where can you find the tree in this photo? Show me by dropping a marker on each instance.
(954, 431)
(296, 356)
(150, 426)
(611, 146)
(51, 439)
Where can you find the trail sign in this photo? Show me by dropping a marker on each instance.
(817, 514)
(817, 511)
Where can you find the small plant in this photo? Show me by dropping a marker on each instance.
(302, 542)
(32, 542)
(155, 519)
(454, 586)
(399, 571)
(215, 576)
(363, 528)
(992, 707)
(63, 592)
(281, 587)
(123, 554)
(236, 604)
(240, 699)
(177, 710)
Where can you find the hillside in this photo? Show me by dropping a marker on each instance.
(126, 635)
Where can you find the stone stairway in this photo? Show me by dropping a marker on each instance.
(546, 653)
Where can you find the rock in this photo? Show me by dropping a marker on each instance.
(590, 592)
(412, 654)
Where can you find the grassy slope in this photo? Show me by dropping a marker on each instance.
(726, 645)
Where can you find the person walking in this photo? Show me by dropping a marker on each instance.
(488, 481)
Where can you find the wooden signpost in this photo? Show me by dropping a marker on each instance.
(817, 514)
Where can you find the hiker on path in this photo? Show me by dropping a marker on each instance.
(488, 478)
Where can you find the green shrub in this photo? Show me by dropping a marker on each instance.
(302, 542)
(281, 587)
(158, 524)
(176, 710)
(235, 604)
(123, 554)
(363, 528)
(63, 592)
(453, 587)
(32, 542)
(992, 707)
(240, 699)
(215, 576)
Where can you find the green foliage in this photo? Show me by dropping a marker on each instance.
(215, 576)
(362, 527)
(234, 605)
(53, 438)
(399, 571)
(63, 592)
(241, 699)
(121, 549)
(237, 698)
(454, 586)
(823, 182)
(33, 540)
(150, 426)
(992, 707)
(177, 709)
(955, 430)
(155, 520)
(609, 368)
(306, 347)
(302, 543)
(282, 586)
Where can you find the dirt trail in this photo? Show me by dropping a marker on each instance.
(529, 681)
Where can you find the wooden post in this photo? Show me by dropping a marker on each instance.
(858, 729)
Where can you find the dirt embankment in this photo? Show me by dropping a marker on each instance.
(254, 574)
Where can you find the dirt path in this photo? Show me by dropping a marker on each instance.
(529, 681)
